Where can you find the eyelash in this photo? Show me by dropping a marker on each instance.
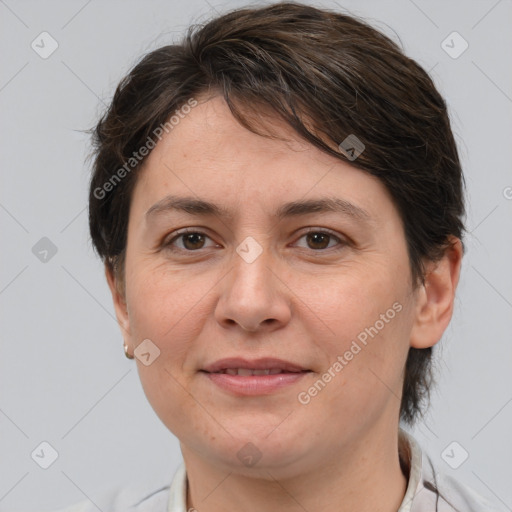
(168, 244)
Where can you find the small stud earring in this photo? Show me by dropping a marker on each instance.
(129, 356)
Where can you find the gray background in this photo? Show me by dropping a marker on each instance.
(63, 376)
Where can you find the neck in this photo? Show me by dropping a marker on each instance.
(366, 477)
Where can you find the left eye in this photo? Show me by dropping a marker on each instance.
(319, 239)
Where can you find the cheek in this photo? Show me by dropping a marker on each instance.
(162, 301)
(164, 310)
(367, 340)
(165, 307)
(348, 304)
(166, 391)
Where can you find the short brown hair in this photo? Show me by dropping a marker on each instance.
(328, 75)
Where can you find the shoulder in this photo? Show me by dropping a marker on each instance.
(455, 495)
(139, 497)
(448, 494)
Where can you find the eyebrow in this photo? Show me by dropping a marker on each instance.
(194, 206)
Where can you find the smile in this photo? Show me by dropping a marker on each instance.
(245, 372)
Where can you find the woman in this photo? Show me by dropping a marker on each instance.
(278, 202)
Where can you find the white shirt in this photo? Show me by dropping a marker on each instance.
(428, 490)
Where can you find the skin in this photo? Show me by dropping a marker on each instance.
(302, 300)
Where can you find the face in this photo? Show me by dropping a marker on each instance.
(273, 273)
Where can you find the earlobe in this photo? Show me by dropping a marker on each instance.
(435, 298)
(119, 303)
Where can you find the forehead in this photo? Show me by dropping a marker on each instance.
(209, 130)
(209, 154)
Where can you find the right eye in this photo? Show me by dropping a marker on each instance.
(191, 241)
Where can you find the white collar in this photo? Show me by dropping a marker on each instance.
(411, 454)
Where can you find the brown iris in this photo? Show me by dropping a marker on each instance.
(317, 238)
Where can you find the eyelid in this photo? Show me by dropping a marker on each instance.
(321, 230)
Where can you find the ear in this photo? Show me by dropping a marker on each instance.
(435, 298)
(119, 304)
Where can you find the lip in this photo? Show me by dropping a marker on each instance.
(255, 384)
(254, 364)
(252, 385)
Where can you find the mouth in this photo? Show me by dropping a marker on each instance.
(241, 377)
(247, 372)
(245, 367)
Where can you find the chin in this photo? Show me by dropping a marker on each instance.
(253, 455)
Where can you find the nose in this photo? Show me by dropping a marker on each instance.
(253, 296)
